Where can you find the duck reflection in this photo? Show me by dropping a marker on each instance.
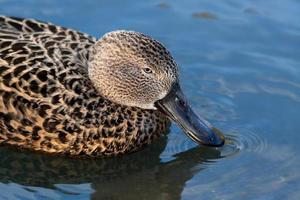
(140, 175)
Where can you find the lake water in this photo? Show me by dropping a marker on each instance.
(240, 68)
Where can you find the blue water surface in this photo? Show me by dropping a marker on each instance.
(240, 68)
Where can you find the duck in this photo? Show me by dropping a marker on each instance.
(64, 92)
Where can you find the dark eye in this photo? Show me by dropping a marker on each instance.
(147, 70)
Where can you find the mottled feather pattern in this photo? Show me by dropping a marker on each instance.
(49, 104)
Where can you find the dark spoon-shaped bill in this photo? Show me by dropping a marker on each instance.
(176, 107)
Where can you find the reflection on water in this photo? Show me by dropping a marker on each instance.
(164, 5)
(141, 175)
(251, 10)
(204, 15)
(239, 64)
(110, 178)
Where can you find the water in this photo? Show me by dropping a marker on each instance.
(240, 68)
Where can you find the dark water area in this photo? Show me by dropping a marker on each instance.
(240, 68)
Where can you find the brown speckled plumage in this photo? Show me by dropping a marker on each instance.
(48, 102)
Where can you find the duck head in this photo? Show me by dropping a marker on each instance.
(132, 69)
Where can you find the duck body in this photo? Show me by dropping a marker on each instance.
(48, 103)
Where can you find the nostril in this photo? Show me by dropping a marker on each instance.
(180, 102)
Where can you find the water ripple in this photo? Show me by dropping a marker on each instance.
(238, 140)
(242, 140)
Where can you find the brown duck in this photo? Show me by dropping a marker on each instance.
(64, 92)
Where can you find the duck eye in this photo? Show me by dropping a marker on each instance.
(147, 70)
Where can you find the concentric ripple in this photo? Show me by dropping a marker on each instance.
(238, 140)
(242, 140)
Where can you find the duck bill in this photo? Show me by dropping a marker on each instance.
(176, 107)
